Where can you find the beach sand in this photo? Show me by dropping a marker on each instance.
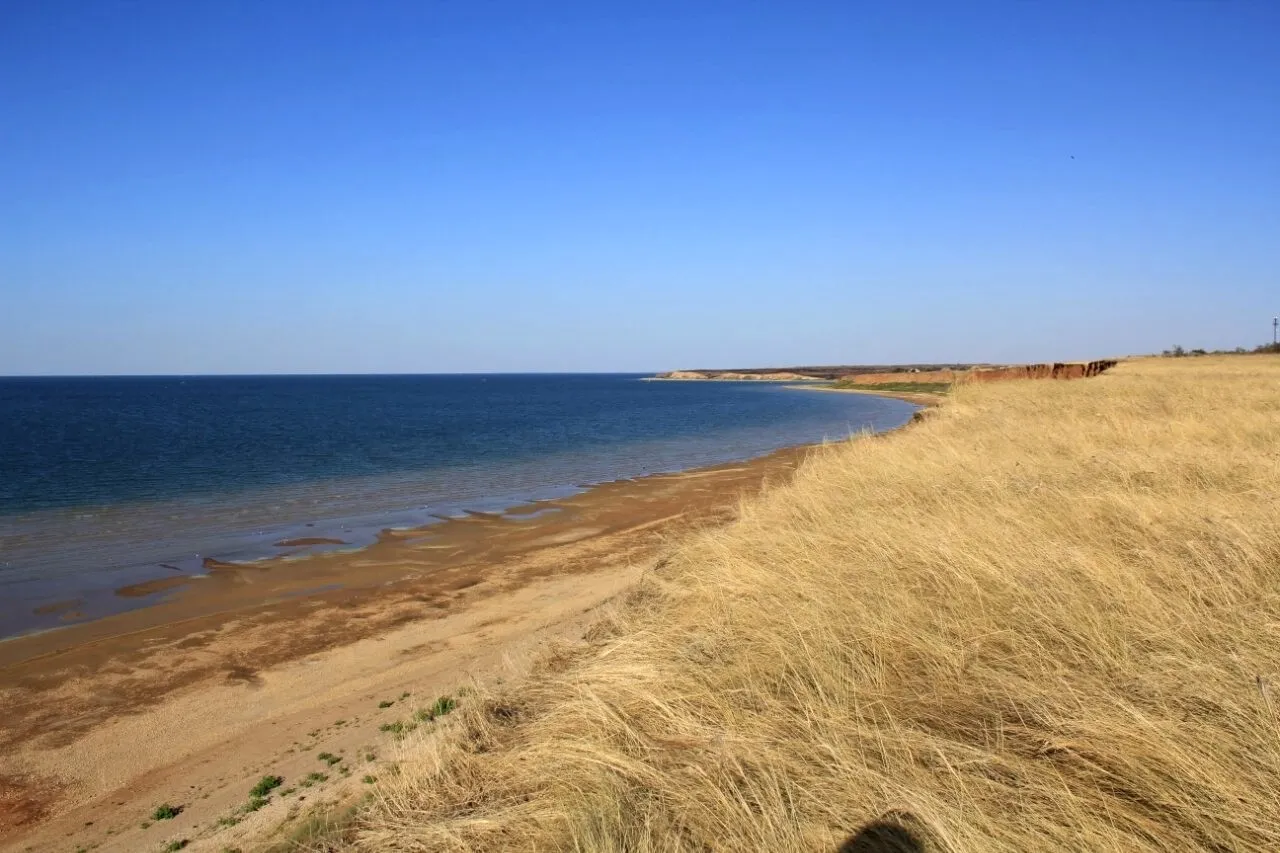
(256, 668)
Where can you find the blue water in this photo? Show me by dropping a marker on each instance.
(105, 481)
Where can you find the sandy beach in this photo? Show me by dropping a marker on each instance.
(259, 667)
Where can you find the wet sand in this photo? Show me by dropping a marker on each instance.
(254, 667)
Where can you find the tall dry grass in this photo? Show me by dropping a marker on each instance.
(1045, 618)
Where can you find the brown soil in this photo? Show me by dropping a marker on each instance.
(255, 668)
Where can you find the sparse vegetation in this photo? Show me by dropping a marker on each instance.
(166, 812)
(329, 758)
(313, 778)
(323, 829)
(256, 802)
(1261, 349)
(369, 779)
(266, 785)
(177, 845)
(386, 703)
(1044, 618)
(439, 708)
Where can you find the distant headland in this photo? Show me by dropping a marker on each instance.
(880, 374)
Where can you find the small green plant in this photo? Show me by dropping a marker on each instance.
(313, 778)
(439, 708)
(369, 779)
(266, 785)
(255, 802)
(144, 824)
(166, 812)
(395, 728)
(228, 820)
(328, 758)
(386, 703)
(176, 845)
(370, 756)
(287, 791)
(405, 695)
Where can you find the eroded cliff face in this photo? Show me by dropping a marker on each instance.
(1044, 370)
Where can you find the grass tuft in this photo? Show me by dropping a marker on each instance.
(266, 785)
(439, 708)
(166, 812)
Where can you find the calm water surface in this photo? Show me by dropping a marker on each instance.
(107, 481)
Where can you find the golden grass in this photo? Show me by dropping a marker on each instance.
(1045, 618)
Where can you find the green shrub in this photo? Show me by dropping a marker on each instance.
(166, 812)
(266, 785)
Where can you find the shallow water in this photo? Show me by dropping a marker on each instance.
(108, 481)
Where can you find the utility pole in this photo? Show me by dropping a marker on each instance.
(1275, 329)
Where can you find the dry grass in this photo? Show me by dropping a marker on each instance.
(1045, 618)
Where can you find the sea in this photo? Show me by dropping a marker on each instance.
(109, 481)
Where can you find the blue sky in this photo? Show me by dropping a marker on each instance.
(272, 186)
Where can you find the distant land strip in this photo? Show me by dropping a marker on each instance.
(896, 374)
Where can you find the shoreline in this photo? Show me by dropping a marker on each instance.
(232, 659)
(792, 380)
(60, 603)
(920, 398)
(284, 573)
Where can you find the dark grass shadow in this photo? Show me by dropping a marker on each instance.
(883, 837)
(238, 673)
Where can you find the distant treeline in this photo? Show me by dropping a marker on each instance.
(1179, 352)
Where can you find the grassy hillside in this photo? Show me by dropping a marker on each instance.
(1047, 617)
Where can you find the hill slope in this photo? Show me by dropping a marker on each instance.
(1047, 617)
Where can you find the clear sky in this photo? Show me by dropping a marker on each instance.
(255, 186)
